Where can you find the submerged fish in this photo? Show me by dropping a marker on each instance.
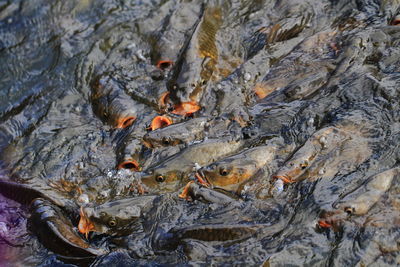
(198, 63)
(195, 129)
(118, 218)
(361, 200)
(177, 27)
(327, 152)
(112, 104)
(57, 233)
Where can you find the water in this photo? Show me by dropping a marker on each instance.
(339, 67)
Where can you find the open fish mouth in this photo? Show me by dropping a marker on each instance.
(164, 64)
(284, 178)
(129, 164)
(125, 122)
(202, 179)
(160, 122)
(85, 226)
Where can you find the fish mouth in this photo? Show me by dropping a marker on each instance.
(125, 122)
(129, 164)
(202, 179)
(160, 122)
(85, 226)
(164, 64)
(286, 179)
(186, 108)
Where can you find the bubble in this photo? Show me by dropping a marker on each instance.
(277, 188)
(3, 228)
(323, 141)
(84, 199)
(140, 56)
(247, 76)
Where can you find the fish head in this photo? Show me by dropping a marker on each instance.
(298, 165)
(161, 138)
(163, 179)
(227, 173)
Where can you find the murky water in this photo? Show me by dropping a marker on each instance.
(314, 83)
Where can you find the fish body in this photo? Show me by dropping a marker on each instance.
(199, 60)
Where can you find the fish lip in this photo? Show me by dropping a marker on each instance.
(286, 179)
(202, 178)
(129, 162)
(164, 64)
(125, 121)
(85, 226)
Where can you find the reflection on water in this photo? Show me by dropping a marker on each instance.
(317, 79)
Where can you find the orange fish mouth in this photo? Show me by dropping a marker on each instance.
(324, 224)
(130, 164)
(202, 179)
(186, 191)
(164, 64)
(125, 122)
(160, 122)
(163, 100)
(284, 178)
(186, 108)
(85, 226)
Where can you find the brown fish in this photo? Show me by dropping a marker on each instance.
(174, 171)
(198, 63)
(231, 172)
(361, 200)
(327, 152)
(111, 104)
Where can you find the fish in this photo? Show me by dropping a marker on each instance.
(231, 172)
(194, 191)
(327, 152)
(178, 133)
(56, 232)
(115, 218)
(301, 73)
(197, 64)
(111, 104)
(173, 172)
(208, 233)
(160, 122)
(177, 27)
(360, 201)
(192, 130)
(129, 153)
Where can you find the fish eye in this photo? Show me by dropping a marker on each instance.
(203, 82)
(223, 171)
(304, 164)
(166, 141)
(112, 223)
(160, 178)
(349, 210)
(193, 85)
